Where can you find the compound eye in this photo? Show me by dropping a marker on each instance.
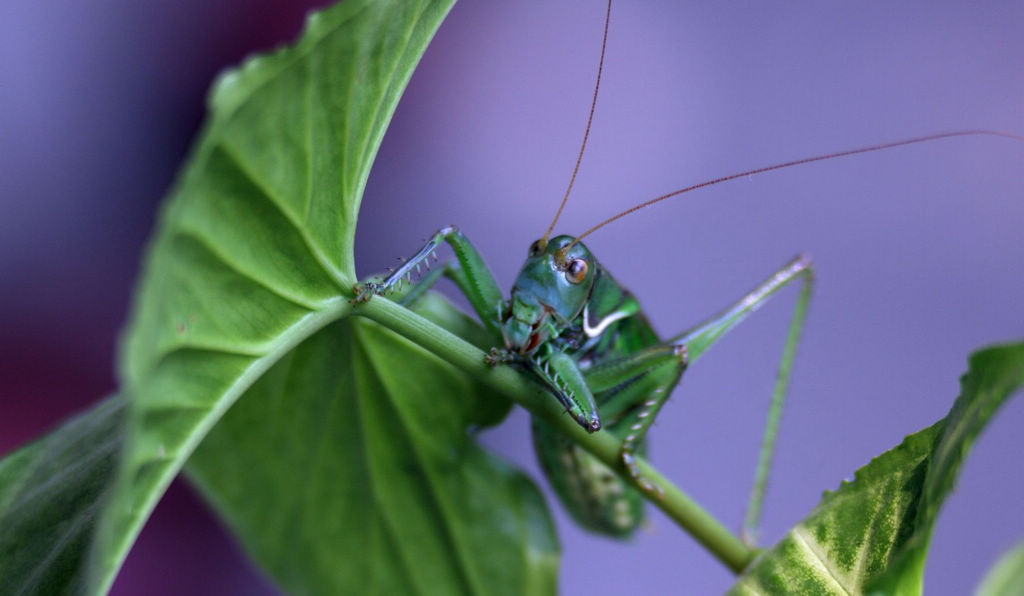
(537, 248)
(577, 271)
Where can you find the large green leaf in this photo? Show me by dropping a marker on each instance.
(51, 492)
(254, 251)
(872, 535)
(349, 463)
(347, 469)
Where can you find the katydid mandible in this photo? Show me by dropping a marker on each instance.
(585, 338)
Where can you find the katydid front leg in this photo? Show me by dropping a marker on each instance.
(473, 277)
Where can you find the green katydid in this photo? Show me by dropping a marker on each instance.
(585, 337)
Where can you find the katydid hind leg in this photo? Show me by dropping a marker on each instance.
(753, 518)
(702, 337)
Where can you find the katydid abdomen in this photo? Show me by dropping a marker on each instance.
(593, 494)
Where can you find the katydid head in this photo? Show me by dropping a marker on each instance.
(549, 293)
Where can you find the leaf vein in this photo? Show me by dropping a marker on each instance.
(869, 532)
(209, 246)
(820, 561)
(435, 493)
(43, 566)
(373, 484)
(338, 277)
(94, 453)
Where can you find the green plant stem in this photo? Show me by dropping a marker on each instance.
(707, 530)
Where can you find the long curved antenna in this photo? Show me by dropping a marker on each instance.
(797, 162)
(586, 133)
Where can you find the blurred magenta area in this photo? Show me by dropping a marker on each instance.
(918, 250)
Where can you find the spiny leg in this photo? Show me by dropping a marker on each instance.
(472, 277)
(699, 339)
(563, 376)
(408, 297)
(633, 389)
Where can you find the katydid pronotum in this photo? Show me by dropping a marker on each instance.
(582, 335)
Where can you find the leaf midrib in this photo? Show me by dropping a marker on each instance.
(434, 496)
(450, 524)
(806, 541)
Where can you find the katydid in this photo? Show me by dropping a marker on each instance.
(585, 338)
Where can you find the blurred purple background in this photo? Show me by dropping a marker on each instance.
(917, 249)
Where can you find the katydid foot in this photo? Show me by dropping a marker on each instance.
(365, 290)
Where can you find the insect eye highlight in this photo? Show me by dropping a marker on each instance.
(577, 271)
(537, 248)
